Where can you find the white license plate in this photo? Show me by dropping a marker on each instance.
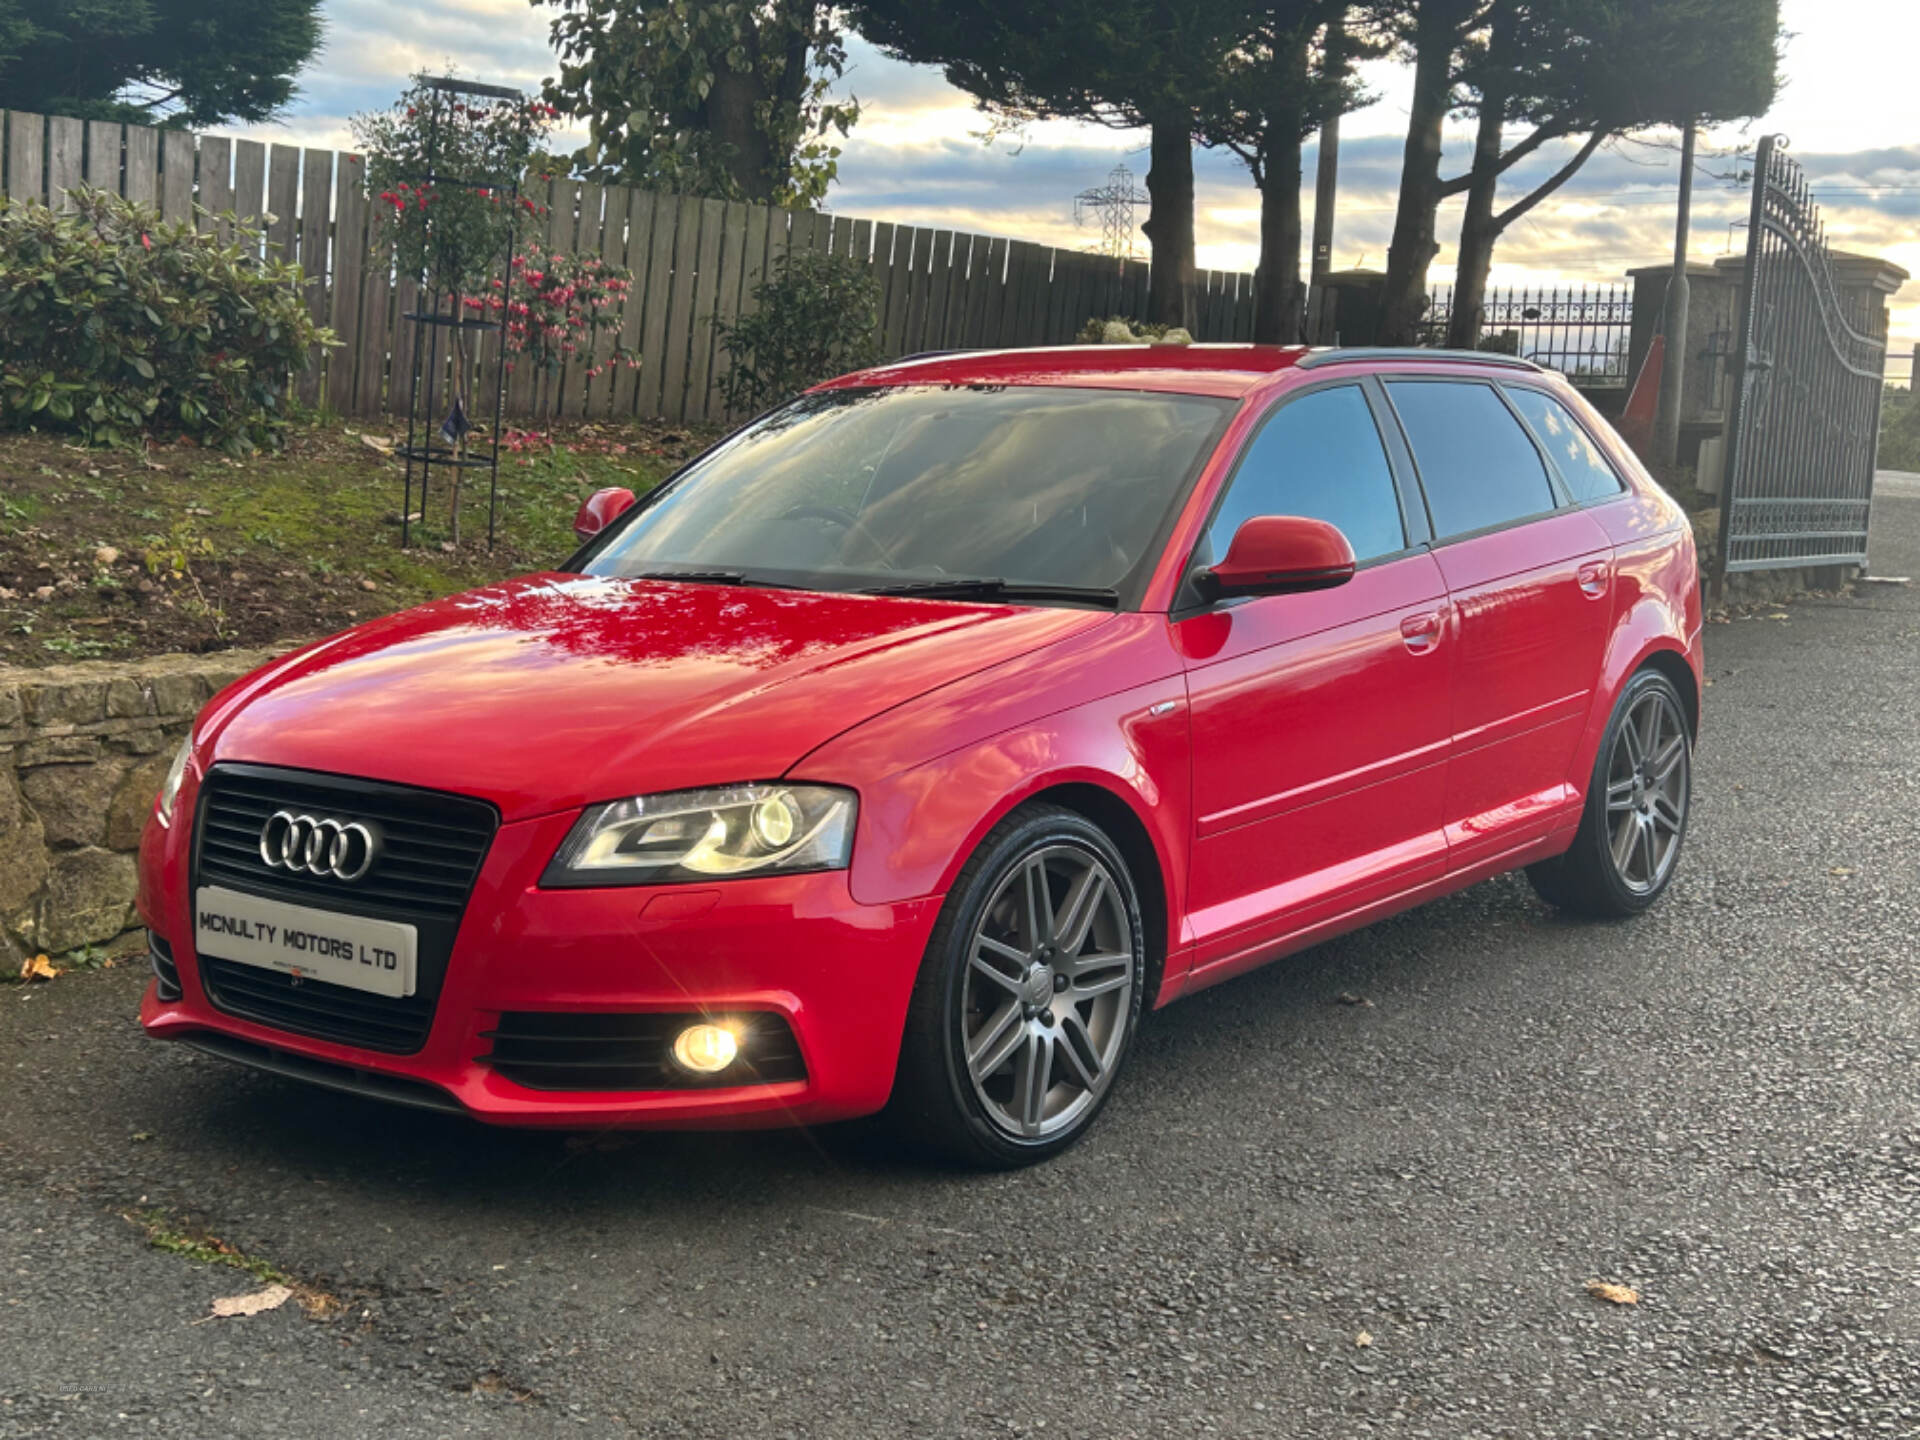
(376, 955)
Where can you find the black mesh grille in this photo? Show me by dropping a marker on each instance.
(433, 846)
(565, 1050)
(165, 972)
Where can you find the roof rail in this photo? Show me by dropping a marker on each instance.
(1313, 359)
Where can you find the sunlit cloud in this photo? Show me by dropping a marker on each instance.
(921, 154)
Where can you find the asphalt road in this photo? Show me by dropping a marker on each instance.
(1714, 1105)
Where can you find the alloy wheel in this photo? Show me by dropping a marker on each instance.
(1048, 991)
(1647, 792)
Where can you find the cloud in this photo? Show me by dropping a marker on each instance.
(915, 156)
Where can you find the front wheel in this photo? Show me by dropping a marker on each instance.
(1029, 995)
(1638, 801)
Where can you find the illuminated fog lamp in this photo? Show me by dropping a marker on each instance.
(705, 1049)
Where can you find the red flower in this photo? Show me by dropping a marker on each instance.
(146, 243)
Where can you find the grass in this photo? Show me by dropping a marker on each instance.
(164, 1233)
(123, 553)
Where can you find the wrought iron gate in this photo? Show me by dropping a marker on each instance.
(1806, 406)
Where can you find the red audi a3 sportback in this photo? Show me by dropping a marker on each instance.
(910, 745)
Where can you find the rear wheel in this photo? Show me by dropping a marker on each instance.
(1028, 997)
(1638, 802)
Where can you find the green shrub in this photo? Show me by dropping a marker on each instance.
(114, 324)
(1900, 428)
(815, 319)
(1119, 330)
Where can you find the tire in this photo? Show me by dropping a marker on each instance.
(1628, 846)
(1043, 1065)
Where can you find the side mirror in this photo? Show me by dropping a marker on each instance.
(600, 510)
(1277, 554)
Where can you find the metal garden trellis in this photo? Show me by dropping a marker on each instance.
(420, 448)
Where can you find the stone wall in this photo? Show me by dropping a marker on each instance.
(83, 749)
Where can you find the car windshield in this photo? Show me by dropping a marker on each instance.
(929, 488)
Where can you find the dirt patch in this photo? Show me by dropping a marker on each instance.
(127, 553)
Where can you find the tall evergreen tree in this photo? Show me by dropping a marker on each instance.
(1150, 64)
(187, 62)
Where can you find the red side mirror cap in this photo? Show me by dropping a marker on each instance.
(600, 510)
(1275, 554)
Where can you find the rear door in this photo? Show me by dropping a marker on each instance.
(1529, 575)
(1320, 720)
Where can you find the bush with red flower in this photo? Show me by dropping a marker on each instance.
(561, 312)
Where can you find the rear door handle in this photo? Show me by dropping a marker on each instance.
(1422, 632)
(1593, 578)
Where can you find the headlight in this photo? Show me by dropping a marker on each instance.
(689, 835)
(170, 787)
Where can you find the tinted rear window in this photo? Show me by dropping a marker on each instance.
(1476, 464)
(1581, 465)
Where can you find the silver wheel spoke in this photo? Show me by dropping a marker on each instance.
(1668, 760)
(1039, 904)
(1009, 983)
(1083, 903)
(1620, 796)
(1666, 815)
(1032, 1079)
(1630, 737)
(1081, 1054)
(997, 1040)
(1114, 973)
(1623, 840)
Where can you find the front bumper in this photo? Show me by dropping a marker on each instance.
(840, 973)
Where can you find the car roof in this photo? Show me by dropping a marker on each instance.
(1224, 370)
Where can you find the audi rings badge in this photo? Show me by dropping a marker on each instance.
(319, 845)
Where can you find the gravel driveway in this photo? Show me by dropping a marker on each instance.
(1361, 1193)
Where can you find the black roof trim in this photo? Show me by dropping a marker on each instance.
(1314, 359)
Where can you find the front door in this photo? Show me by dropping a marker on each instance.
(1320, 720)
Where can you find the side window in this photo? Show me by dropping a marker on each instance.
(1582, 465)
(1319, 456)
(1476, 464)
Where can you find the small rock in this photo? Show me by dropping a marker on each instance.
(368, 585)
(43, 592)
(105, 555)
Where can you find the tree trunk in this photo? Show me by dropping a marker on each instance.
(1477, 230)
(1403, 297)
(1276, 284)
(730, 116)
(1169, 227)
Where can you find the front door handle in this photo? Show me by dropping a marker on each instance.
(1422, 632)
(1593, 577)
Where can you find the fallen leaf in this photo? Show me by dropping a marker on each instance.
(374, 442)
(1841, 870)
(105, 555)
(1363, 1340)
(271, 1298)
(1618, 1294)
(38, 968)
(1347, 997)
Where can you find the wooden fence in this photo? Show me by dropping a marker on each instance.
(693, 260)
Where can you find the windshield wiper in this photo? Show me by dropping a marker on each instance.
(995, 588)
(698, 577)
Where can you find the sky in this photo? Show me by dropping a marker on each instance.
(919, 155)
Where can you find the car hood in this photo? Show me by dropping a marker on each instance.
(553, 691)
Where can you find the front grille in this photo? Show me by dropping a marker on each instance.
(433, 846)
(165, 973)
(433, 843)
(572, 1050)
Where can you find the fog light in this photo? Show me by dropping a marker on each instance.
(706, 1049)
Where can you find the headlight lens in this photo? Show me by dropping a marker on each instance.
(688, 835)
(170, 787)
